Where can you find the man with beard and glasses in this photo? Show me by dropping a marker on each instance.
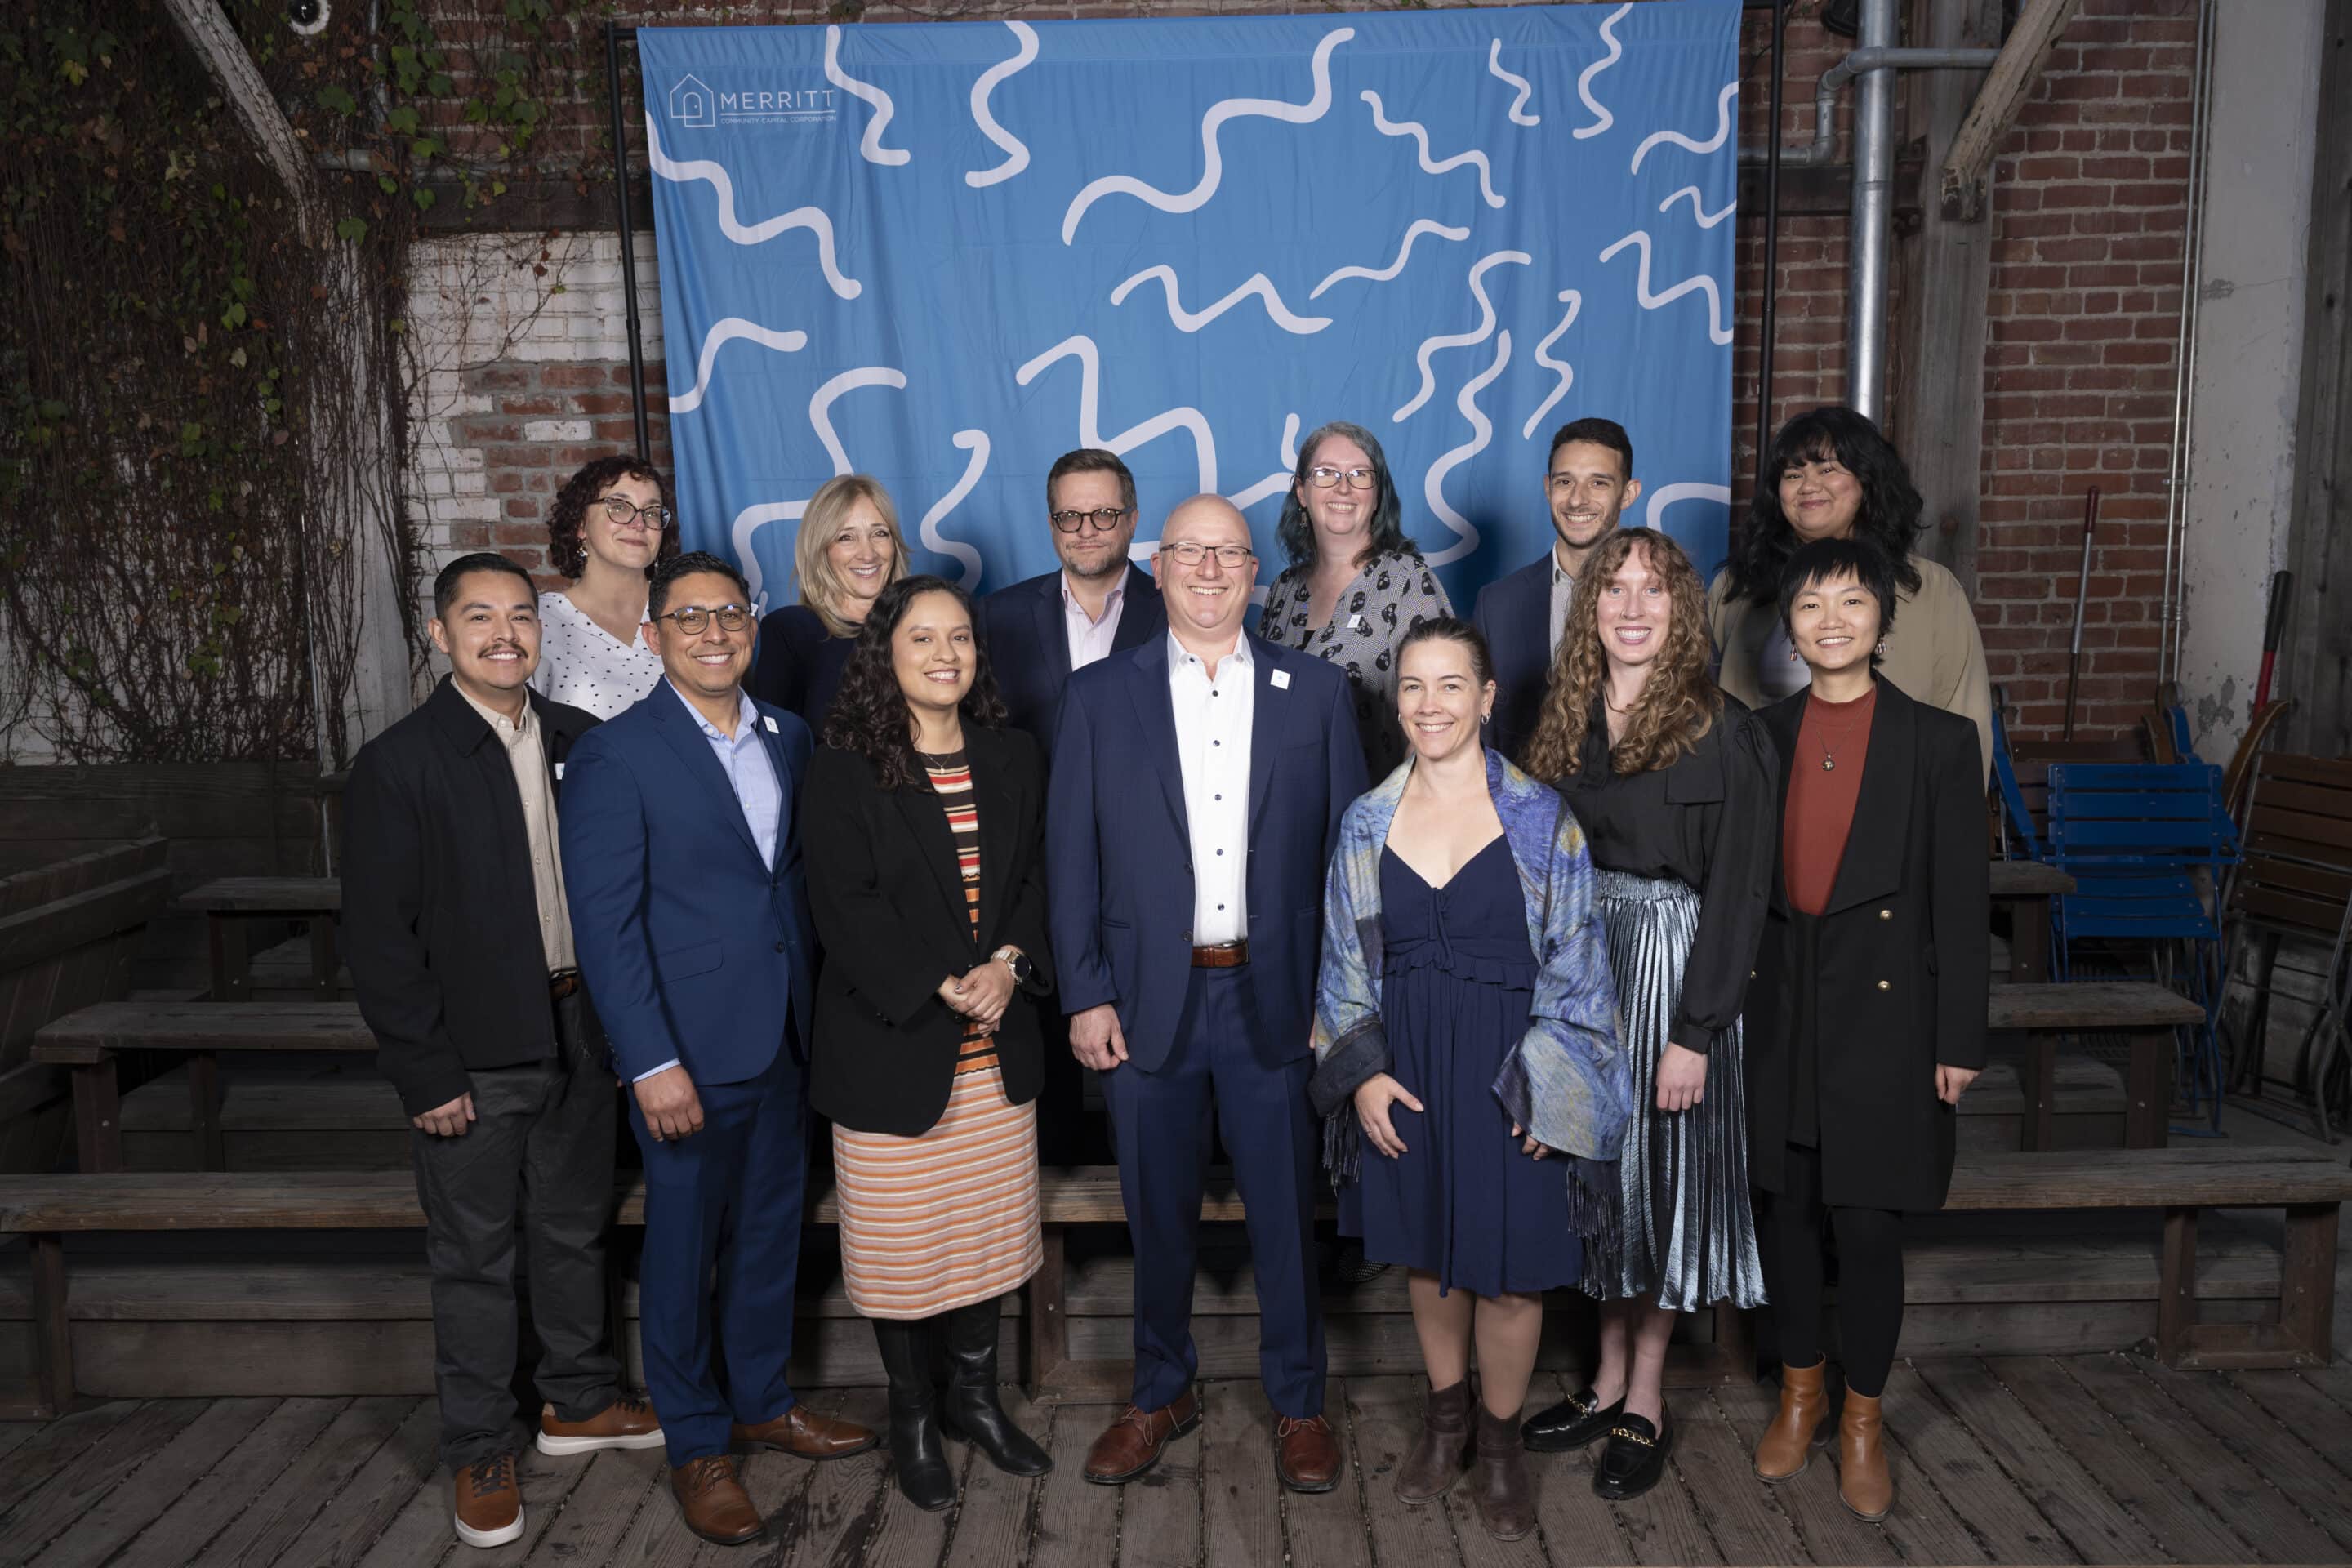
(1589, 484)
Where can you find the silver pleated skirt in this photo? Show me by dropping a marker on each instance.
(1687, 1231)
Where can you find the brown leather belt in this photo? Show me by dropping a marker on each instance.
(1225, 955)
(563, 984)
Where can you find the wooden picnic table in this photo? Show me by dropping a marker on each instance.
(2027, 886)
(231, 905)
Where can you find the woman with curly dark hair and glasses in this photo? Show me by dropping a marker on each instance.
(1831, 475)
(1676, 786)
(610, 523)
(923, 821)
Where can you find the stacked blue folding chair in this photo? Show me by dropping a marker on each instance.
(2134, 836)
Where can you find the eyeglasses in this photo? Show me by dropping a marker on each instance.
(694, 617)
(1229, 556)
(624, 512)
(1103, 519)
(1323, 478)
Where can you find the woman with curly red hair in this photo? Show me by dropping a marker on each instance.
(1677, 786)
(610, 523)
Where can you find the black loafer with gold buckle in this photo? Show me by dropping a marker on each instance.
(1635, 1457)
(1571, 1424)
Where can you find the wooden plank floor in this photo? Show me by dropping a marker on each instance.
(2107, 1458)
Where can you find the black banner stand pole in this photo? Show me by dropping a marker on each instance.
(628, 239)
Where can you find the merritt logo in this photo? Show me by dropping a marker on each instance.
(691, 104)
(780, 106)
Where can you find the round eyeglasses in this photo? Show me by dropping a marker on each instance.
(694, 617)
(1103, 519)
(623, 512)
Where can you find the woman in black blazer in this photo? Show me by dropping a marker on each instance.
(922, 821)
(1867, 1016)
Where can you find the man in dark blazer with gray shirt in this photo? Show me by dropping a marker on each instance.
(459, 941)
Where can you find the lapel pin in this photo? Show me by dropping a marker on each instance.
(1281, 681)
(772, 724)
(559, 770)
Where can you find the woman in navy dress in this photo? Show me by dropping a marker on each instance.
(1464, 1028)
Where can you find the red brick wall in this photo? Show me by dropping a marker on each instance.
(2089, 215)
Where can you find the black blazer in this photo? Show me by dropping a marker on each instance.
(1514, 614)
(892, 920)
(797, 665)
(1902, 971)
(1029, 650)
(440, 920)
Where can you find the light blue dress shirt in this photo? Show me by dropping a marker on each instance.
(751, 774)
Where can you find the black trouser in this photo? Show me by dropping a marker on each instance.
(534, 1167)
(1870, 1275)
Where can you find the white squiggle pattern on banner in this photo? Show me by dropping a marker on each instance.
(1716, 330)
(1432, 484)
(1459, 340)
(684, 169)
(1705, 218)
(1420, 134)
(869, 147)
(1404, 252)
(1722, 129)
(976, 443)
(1212, 160)
(1560, 367)
(820, 413)
(1018, 150)
(1082, 348)
(1666, 496)
(1519, 115)
(1601, 119)
(1194, 321)
(719, 337)
(1274, 484)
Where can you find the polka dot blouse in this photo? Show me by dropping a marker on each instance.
(579, 662)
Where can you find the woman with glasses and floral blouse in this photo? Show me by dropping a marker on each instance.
(611, 522)
(1356, 584)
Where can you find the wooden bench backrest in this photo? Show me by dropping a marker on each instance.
(2297, 873)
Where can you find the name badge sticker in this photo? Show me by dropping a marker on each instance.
(771, 725)
(559, 771)
(1282, 680)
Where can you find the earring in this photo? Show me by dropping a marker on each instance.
(1882, 647)
(1794, 656)
(1483, 718)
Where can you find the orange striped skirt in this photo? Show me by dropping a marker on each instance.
(934, 1223)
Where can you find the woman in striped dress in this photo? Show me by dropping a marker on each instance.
(921, 823)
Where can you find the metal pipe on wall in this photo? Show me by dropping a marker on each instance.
(1822, 148)
(629, 237)
(2184, 357)
(1868, 233)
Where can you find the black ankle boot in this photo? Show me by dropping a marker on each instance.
(918, 1452)
(972, 1412)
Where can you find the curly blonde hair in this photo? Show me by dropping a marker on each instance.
(1679, 703)
(820, 588)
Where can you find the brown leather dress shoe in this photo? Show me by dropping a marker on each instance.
(624, 1424)
(489, 1502)
(802, 1432)
(1787, 1445)
(1306, 1454)
(1132, 1443)
(713, 1502)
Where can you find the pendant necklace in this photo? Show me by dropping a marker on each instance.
(1829, 760)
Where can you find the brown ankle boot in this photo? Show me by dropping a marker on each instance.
(1787, 1445)
(1863, 1481)
(1435, 1462)
(1505, 1498)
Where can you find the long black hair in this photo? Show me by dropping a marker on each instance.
(869, 714)
(1296, 531)
(1891, 503)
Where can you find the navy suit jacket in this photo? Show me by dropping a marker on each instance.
(1119, 851)
(692, 947)
(1514, 614)
(1029, 646)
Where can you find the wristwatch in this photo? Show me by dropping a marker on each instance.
(1013, 959)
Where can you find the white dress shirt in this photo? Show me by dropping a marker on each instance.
(1090, 640)
(526, 755)
(1563, 589)
(1213, 746)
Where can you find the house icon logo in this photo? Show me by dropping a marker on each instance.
(692, 105)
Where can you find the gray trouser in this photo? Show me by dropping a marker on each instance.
(532, 1173)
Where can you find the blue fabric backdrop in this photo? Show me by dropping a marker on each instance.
(945, 254)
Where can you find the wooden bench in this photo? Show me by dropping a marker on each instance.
(232, 905)
(88, 1042)
(2027, 886)
(2307, 1184)
(2145, 1014)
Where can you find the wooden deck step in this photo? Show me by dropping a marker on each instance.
(87, 1036)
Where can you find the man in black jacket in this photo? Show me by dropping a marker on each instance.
(460, 949)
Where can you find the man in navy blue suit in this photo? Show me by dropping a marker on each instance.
(1589, 482)
(691, 920)
(1197, 786)
(1097, 604)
